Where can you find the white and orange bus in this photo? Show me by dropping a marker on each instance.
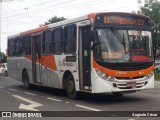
(96, 53)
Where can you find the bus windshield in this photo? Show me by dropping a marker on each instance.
(113, 45)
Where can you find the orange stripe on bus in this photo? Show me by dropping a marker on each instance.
(49, 62)
(118, 73)
(29, 58)
(46, 61)
(34, 30)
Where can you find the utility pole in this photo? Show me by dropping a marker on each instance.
(1, 24)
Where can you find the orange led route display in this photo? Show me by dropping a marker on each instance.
(122, 19)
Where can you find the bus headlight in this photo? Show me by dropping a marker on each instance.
(101, 74)
(150, 75)
(111, 78)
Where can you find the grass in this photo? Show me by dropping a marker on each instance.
(157, 76)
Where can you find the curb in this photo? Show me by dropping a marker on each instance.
(158, 82)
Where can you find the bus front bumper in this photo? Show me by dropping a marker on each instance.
(100, 85)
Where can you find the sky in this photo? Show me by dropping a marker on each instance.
(21, 15)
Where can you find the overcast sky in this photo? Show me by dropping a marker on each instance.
(21, 15)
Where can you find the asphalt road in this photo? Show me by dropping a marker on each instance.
(13, 97)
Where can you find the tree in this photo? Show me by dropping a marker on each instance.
(53, 20)
(4, 58)
(151, 8)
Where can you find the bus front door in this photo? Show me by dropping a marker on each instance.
(36, 58)
(85, 58)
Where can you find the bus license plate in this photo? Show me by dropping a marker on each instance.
(133, 84)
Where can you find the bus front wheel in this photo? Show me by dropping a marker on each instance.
(71, 91)
(25, 79)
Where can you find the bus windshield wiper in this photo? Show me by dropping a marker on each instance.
(119, 37)
(124, 43)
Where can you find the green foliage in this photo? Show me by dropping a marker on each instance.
(4, 58)
(53, 20)
(157, 76)
(151, 8)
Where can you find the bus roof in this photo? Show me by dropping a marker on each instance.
(61, 23)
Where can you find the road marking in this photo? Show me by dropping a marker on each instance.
(29, 93)
(89, 108)
(27, 107)
(54, 99)
(66, 102)
(13, 89)
(1, 87)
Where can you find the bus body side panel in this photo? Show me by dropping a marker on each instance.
(52, 75)
(68, 66)
(49, 71)
(50, 78)
(16, 66)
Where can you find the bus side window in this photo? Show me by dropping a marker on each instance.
(27, 44)
(14, 47)
(18, 46)
(57, 41)
(11, 47)
(69, 42)
(46, 42)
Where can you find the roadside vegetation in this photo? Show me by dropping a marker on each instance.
(157, 76)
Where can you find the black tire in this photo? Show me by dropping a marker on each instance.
(70, 88)
(117, 94)
(6, 73)
(25, 79)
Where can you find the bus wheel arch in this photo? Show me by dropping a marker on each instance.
(69, 85)
(64, 81)
(25, 79)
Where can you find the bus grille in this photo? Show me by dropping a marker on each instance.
(126, 66)
(129, 68)
(124, 85)
(128, 78)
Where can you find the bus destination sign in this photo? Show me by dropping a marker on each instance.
(122, 20)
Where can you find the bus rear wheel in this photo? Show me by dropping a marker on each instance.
(71, 91)
(25, 79)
